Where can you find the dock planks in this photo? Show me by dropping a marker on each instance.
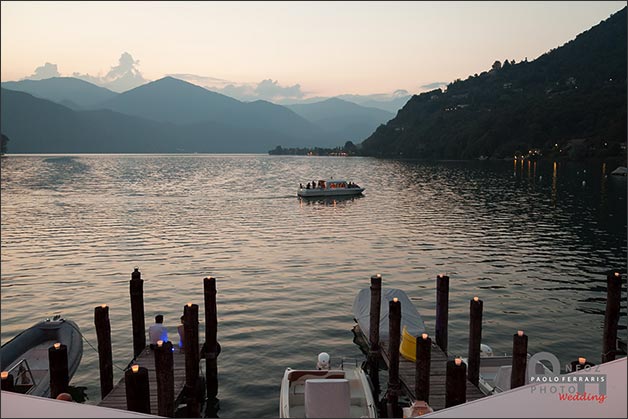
(117, 397)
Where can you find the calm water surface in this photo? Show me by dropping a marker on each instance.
(530, 240)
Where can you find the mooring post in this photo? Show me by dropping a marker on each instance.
(519, 359)
(394, 386)
(105, 357)
(212, 347)
(137, 389)
(8, 382)
(611, 316)
(423, 365)
(456, 383)
(475, 339)
(442, 310)
(581, 364)
(191, 349)
(58, 367)
(164, 370)
(374, 354)
(136, 287)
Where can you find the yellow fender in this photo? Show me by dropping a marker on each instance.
(407, 348)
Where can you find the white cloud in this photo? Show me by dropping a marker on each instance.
(45, 71)
(120, 78)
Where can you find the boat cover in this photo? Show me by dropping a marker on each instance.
(410, 317)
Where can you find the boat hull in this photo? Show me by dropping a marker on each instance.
(32, 345)
(315, 193)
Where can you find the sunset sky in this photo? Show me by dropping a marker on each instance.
(305, 48)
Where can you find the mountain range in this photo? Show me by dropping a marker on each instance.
(570, 102)
(168, 115)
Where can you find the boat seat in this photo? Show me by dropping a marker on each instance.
(297, 374)
(327, 398)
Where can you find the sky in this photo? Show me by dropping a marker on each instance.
(283, 49)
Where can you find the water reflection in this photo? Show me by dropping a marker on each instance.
(329, 201)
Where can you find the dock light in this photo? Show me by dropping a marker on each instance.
(520, 332)
(160, 343)
(4, 375)
(582, 360)
(57, 345)
(379, 275)
(189, 304)
(395, 300)
(135, 368)
(458, 361)
(616, 274)
(103, 305)
(424, 335)
(476, 299)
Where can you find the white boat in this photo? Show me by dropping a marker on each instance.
(620, 171)
(25, 357)
(331, 187)
(344, 392)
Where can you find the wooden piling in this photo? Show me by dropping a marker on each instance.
(581, 364)
(190, 347)
(105, 357)
(58, 367)
(136, 288)
(519, 359)
(611, 316)
(442, 310)
(423, 364)
(212, 347)
(164, 370)
(8, 382)
(456, 383)
(475, 339)
(375, 310)
(394, 385)
(137, 389)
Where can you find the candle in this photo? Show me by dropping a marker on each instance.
(4, 375)
(424, 335)
(160, 343)
(57, 345)
(458, 361)
(395, 300)
(135, 368)
(476, 299)
(520, 332)
(582, 360)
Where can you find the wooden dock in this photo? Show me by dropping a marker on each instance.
(117, 397)
(407, 370)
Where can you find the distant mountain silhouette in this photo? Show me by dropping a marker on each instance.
(344, 120)
(570, 101)
(177, 101)
(69, 91)
(40, 126)
(378, 101)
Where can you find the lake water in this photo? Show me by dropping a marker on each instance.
(531, 240)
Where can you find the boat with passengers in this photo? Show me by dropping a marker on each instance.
(331, 187)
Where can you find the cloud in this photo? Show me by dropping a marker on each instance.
(120, 78)
(434, 85)
(271, 90)
(204, 81)
(45, 71)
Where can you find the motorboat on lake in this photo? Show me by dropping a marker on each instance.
(343, 392)
(25, 357)
(331, 187)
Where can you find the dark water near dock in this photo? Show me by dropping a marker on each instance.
(531, 240)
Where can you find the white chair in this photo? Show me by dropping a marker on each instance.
(327, 398)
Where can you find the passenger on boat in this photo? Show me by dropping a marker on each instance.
(181, 330)
(307, 186)
(300, 186)
(157, 331)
